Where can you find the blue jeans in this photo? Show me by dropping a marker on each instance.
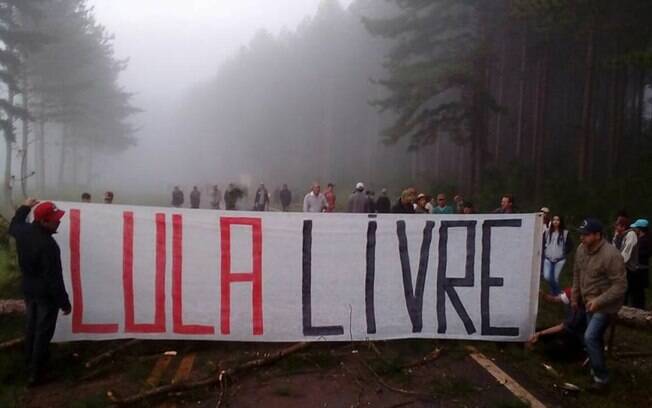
(594, 343)
(551, 272)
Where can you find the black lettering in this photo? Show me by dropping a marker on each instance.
(370, 276)
(414, 297)
(306, 295)
(487, 281)
(446, 286)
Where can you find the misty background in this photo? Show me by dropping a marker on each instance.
(209, 117)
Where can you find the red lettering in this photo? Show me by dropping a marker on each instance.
(128, 276)
(75, 275)
(177, 293)
(228, 277)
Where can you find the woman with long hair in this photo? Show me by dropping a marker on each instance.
(556, 246)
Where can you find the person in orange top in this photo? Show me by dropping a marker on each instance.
(330, 197)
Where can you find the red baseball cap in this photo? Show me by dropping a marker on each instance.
(47, 211)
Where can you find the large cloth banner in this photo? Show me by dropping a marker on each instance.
(161, 273)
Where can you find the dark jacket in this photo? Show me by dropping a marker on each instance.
(195, 198)
(39, 258)
(399, 208)
(177, 198)
(286, 197)
(383, 205)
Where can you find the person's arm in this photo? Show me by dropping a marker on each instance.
(546, 332)
(306, 206)
(617, 276)
(19, 220)
(629, 242)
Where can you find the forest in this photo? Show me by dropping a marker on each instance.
(61, 104)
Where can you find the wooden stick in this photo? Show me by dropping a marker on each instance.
(265, 360)
(12, 343)
(504, 379)
(432, 356)
(392, 388)
(107, 355)
(8, 307)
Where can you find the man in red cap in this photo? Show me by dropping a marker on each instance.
(42, 280)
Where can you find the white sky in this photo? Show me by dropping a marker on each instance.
(173, 45)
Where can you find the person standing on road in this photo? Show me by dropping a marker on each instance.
(405, 204)
(599, 284)
(45, 294)
(442, 206)
(216, 198)
(261, 201)
(195, 198)
(177, 197)
(330, 197)
(626, 241)
(506, 205)
(421, 204)
(314, 201)
(383, 204)
(358, 201)
(285, 196)
(556, 247)
(639, 279)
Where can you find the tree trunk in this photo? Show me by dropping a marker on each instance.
(501, 94)
(8, 181)
(541, 127)
(6, 190)
(521, 96)
(586, 129)
(24, 156)
(40, 159)
(613, 123)
(62, 159)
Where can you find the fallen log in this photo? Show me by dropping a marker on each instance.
(265, 360)
(635, 318)
(107, 355)
(12, 306)
(11, 343)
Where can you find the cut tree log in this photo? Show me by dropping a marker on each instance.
(107, 355)
(265, 360)
(12, 306)
(635, 318)
(11, 343)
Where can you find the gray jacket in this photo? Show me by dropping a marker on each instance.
(358, 202)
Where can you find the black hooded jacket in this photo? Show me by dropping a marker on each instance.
(39, 258)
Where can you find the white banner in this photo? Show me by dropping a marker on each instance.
(161, 273)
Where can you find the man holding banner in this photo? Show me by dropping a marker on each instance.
(599, 283)
(42, 280)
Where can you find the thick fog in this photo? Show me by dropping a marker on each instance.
(173, 49)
